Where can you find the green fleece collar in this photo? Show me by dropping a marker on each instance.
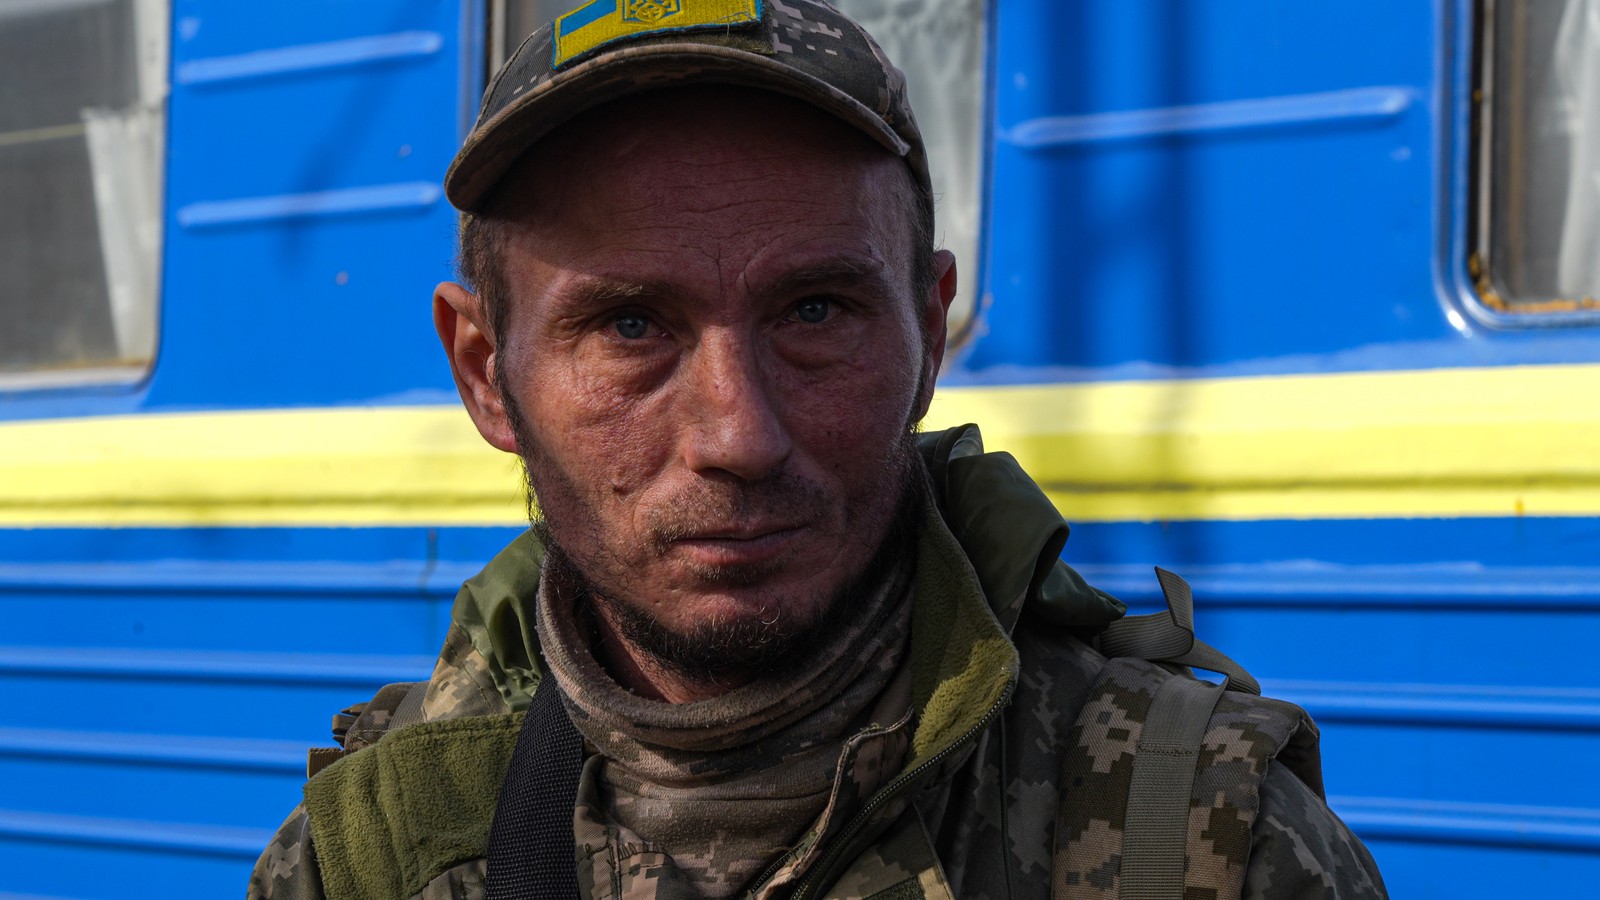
(387, 820)
(962, 662)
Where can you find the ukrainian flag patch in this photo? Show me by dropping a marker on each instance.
(599, 22)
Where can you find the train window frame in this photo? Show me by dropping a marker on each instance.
(1481, 286)
(104, 329)
(961, 174)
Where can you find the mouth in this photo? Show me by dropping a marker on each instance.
(738, 546)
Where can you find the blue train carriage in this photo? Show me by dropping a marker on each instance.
(1295, 298)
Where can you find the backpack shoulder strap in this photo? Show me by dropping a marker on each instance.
(531, 843)
(1162, 772)
(354, 727)
(1156, 821)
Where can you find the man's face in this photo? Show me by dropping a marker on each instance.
(714, 353)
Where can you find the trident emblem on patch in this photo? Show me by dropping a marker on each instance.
(649, 12)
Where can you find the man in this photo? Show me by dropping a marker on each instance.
(805, 653)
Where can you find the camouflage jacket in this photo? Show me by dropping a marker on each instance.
(1014, 784)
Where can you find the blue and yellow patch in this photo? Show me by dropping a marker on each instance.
(599, 22)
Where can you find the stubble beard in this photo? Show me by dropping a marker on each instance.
(781, 632)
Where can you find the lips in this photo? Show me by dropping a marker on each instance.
(740, 546)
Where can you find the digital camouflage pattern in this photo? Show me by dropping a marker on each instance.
(999, 799)
(287, 869)
(1243, 737)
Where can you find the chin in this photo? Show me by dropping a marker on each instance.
(712, 634)
(785, 607)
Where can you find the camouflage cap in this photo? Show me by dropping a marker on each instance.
(607, 49)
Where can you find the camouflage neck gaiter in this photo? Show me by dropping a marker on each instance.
(703, 796)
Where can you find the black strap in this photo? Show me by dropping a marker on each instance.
(532, 854)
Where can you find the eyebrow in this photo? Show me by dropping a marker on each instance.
(600, 291)
(839, 270)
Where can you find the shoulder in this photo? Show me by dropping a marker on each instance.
(462, 686)
(1243, 762)
(463, 683)
(1301, 849)
(412, 806)
(287, 869)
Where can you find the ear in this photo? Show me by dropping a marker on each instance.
(458, 315)
(935, 307)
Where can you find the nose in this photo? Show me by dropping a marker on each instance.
(734, 424)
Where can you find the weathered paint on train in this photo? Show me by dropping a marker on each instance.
(1225, 318)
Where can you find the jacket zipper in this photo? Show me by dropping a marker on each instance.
(860, 820)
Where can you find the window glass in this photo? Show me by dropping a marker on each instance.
(82, 84)
(512, 20)
(1539, 151)
(940, 45)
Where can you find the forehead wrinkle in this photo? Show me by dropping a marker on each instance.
(727, 215)
(685, 187)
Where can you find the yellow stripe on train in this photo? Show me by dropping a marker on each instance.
(1444, 443)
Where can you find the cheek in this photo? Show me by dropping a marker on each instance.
(594, 426)
(849, 411)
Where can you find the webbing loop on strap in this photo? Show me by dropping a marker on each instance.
(532, 852)
(1168, 637)
(1158, 635)
(409, 712)
(1156, 826)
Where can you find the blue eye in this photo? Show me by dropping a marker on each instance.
(813, 311)
(632, 327)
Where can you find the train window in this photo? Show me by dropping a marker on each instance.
(82, 88)
(1538, 188)
(940, 45)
